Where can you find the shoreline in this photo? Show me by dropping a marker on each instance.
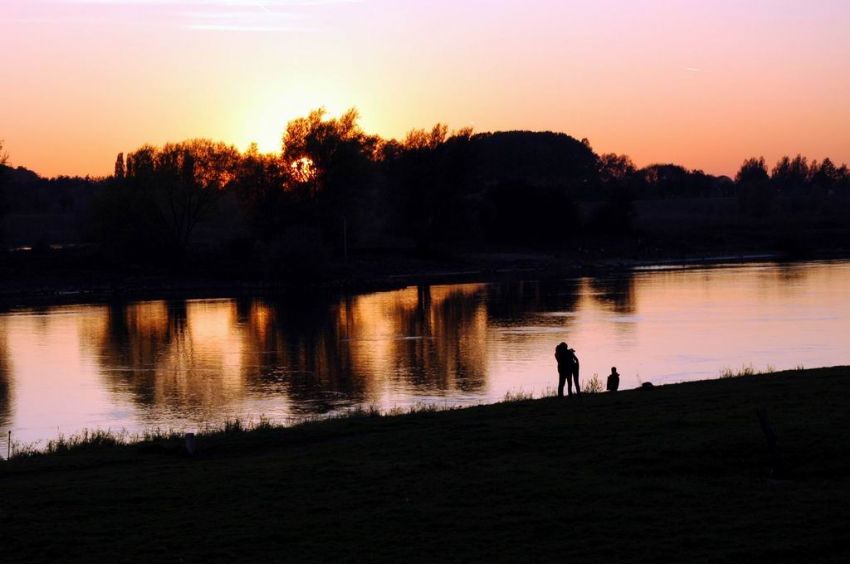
(100, 438)
(124, 438)
(684, 463)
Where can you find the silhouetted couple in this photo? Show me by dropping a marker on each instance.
(567, 369)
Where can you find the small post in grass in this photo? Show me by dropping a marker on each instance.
(191, 446)
(777, 470)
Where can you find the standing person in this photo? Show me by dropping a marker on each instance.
(613, 380)
(568, 367)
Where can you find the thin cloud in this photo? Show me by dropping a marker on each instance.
(204, 15)
(245, 3)
(246, 28)
(247, 21)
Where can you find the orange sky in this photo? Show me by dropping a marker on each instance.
(701, 83)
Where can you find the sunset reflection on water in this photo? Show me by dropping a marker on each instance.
(186, 364)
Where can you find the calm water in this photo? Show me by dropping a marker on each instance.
(185, 364)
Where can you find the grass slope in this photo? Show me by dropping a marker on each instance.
(676, 473)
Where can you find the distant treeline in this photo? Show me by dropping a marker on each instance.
(334, 187)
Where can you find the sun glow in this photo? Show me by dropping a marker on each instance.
(303, 169)
(708, 83)
(261, 116)
(265, 130)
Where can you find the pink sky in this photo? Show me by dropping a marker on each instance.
(701, 83)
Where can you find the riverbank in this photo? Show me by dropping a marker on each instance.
(73, 276)
(677, 473)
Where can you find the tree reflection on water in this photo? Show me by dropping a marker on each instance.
(5, 382)
(319, 354)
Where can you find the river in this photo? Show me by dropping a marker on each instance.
(189, 364)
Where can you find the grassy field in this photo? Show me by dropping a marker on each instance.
(678, 473)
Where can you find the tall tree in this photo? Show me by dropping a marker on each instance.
(752, 171)
(329, 162)
(615, 168)
(755, 193)
(826, 175)
(4, 158)
(418, 139)
(166, 192)
(616, 214)
(432, 172)
(190, 178)
(791, 174)
(842, 180)
(325, 154)
(261, 187)
(119, 167)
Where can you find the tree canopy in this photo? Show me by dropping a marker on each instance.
(333, 185)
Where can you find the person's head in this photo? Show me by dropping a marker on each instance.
(613, 370)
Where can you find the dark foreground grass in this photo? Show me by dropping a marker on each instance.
(679, 473)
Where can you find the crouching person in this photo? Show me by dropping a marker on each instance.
(613, 380)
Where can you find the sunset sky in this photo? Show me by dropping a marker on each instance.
(701, 83)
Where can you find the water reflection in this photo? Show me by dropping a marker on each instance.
(513, 300)
(314, 355)
(152, 352)
(183, 363)
(420, 339)
(616, 292)
(5, 382)
(292, 350)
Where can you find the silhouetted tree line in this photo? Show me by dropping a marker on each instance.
(157, 196)
(3, 174)
(792, 184)
(334, 187)
(24, 193)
